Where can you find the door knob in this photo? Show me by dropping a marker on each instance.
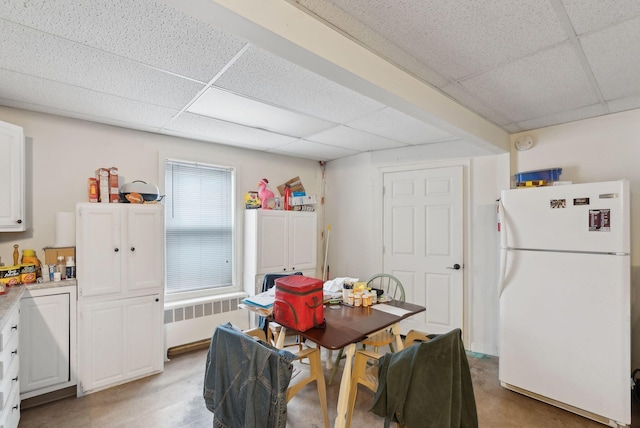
(455, 267)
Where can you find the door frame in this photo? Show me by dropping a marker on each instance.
(467, 296)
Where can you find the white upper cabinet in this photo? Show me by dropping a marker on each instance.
(280, 241)
(120, 249)
(12, 179)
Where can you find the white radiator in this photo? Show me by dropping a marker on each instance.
(187, 322)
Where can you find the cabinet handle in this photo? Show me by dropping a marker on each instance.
(157, 300)
(14, 352)
(133, 248)
(19, 221)
(16, 407)
(15, 379)
(116, 249)
(14, 327)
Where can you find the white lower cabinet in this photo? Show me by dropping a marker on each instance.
(47, 340)
(122, 340)
(9, 369)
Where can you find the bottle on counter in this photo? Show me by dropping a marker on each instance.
(29, 256)
(70, 268)
(60, 267)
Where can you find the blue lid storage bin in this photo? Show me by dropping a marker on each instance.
(537, 178)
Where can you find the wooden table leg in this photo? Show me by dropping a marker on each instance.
(345, 384)
(280, 339)
(329, 361)
(395, 329)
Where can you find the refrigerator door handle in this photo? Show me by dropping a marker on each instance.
(503, 248)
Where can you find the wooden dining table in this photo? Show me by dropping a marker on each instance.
(345, 326)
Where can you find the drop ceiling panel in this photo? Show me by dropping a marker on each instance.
(564, 117)
(316, 151)
(614, 56)
(590, 15)
(145, 31)
(217, 131)
(465, 37)
(49, 57)
(227, 106)
(622, 104)
(395, 125)
(548, 82)
(459, 94)
(355, 29)
(353, 139)
(60, 96)
(264, 76)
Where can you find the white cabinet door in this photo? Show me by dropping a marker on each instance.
(44, 342)
(12, 179)
(272, 242)
(123, 340)
(303, 228)
(98, 252)
(143, 248)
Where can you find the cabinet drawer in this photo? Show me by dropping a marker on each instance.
(7, 356)
(9, 383)
(10, 415)
(11, 328)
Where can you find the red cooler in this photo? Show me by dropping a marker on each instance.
(298, 304)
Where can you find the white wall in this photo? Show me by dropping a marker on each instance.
(599, 149)
(354, 211)
(63, 153)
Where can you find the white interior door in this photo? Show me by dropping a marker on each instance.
(423, 243)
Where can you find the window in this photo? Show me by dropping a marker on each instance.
(199, 232)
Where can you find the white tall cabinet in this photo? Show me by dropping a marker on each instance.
(278, 241)
(120, 271)
(12, 179)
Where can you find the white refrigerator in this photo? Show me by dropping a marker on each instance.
(565, 297)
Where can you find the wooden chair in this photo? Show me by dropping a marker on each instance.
(298, 378)
(366, 374)
(315, 373)
(392, 287)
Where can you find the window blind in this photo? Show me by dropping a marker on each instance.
(198, 226)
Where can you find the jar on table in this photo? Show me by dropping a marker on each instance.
(351, 299)
(347, 288)
(357, 299)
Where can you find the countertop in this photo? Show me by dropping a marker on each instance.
(13, 295)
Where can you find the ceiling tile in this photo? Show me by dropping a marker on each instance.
(590, 15)
(563, 117)
(614, 56)
(63, 97)
(145, 31)
(353, 139)
(217, 131)
(461, 96)
(465, 37)
(311, 150)
(395, 125)
(355, 29)
(39, 54)
(227, 106)
(548, 82)
(623, 104)
(264, 76)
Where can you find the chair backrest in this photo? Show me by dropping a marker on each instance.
(389, 283)
(225, 377)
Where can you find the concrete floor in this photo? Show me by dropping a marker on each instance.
(174, 399)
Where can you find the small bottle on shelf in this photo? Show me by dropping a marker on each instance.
(70, 268)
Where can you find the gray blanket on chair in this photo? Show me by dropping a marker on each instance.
(427, 385)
